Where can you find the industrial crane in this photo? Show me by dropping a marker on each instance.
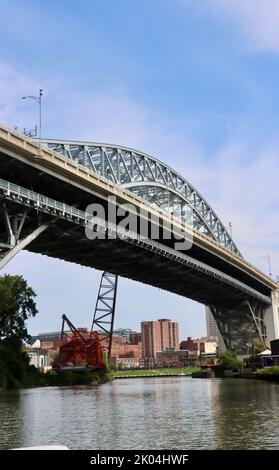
(84, 350)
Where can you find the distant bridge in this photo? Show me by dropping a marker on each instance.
(44, 195)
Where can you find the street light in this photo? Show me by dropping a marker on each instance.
(39, 100)
(269, 263)
(229, 226)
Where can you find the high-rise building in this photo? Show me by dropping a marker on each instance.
(211, 325)
(158, 336)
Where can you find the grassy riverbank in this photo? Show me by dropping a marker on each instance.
(34, 378)
(74, 378)
(152, 372)
(269, 373)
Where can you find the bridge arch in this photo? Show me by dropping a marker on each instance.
(150, 179)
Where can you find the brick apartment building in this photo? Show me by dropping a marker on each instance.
(172, 359)
(125, 351)
(157, 336)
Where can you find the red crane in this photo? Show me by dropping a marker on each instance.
(91, 350)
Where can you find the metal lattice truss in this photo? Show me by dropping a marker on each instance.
(241, 324)
(151, 180)
(105, 308)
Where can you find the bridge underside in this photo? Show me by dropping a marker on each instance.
(135, 260)
(68, 242)
(54, 186)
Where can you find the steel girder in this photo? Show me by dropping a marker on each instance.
(150, 179)
(14, 241)
(60, 211)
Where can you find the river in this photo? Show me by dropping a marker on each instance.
(147, 413)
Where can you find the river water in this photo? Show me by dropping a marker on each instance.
(148, 413)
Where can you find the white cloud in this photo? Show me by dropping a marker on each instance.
(258, 20)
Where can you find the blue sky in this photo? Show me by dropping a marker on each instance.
(193, 83)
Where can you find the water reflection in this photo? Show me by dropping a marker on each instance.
(153, 413)
(246, 414)
(11, 419)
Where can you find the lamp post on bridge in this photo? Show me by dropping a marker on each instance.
(39, 101)
(230, 228)
(269, 263)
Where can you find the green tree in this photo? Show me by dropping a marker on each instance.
(229, 361)
(16, 306)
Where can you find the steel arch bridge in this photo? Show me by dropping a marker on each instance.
(151, 180)
(43, 193)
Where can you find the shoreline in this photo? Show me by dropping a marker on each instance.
(138, 376)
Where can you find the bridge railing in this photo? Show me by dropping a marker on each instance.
(96, 224)
(28, 195)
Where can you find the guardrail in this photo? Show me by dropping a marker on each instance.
(70, 213)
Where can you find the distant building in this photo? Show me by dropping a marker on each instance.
(125, 332)
(135, 338)
(157, 336)
(122, 348)
(199, 347)
(211, 325)
(46, 336)
(192, 345)
(128, 362)
(41, 356)
(39, 360)
(49, 348)
(171, 358)
(208, 348)
(131, 336)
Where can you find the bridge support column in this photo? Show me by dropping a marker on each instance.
(14, 225)
(271, 318)
(240, 325)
